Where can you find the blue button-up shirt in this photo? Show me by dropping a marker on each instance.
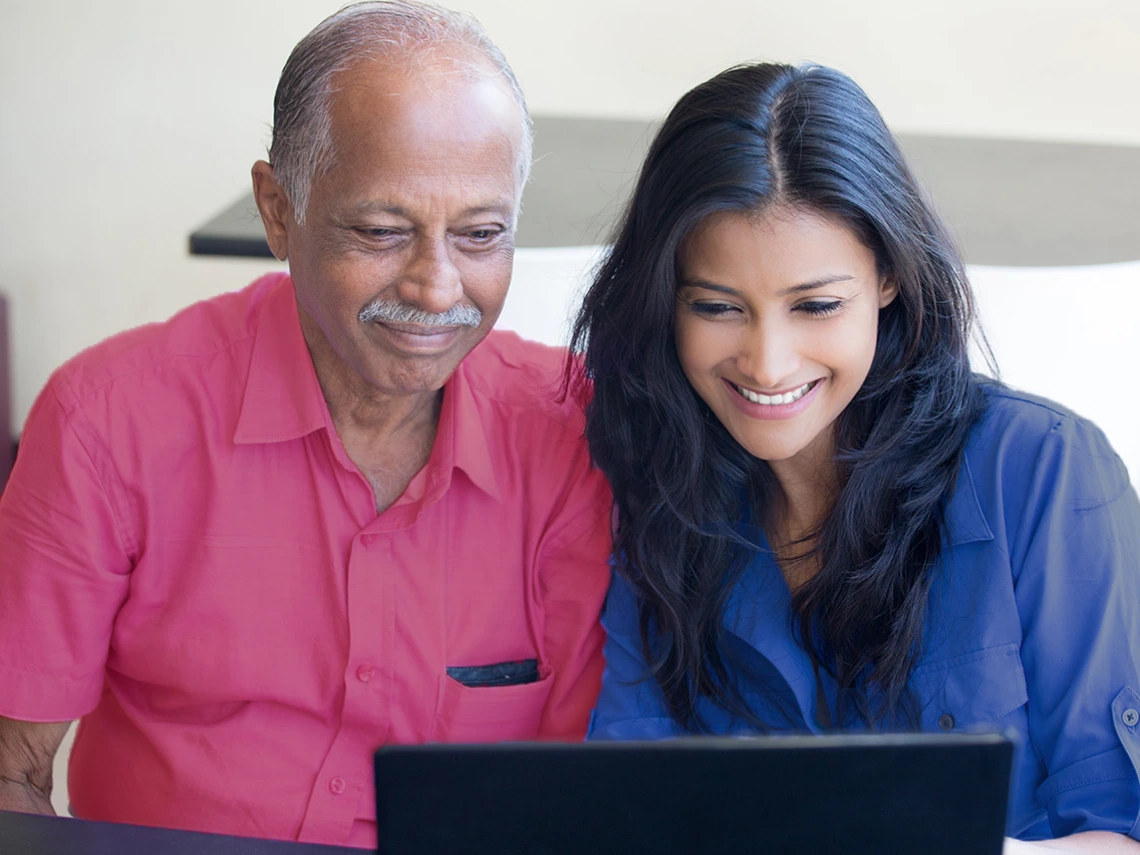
(1034, 626)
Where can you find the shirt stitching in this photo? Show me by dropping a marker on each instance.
(126, 543)
(1085, 782)
(976, 656)
(88, 392)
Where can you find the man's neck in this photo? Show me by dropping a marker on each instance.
(390, 458)
(383, 417)
(388, 437)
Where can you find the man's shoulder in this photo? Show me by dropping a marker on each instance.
(185, 343)
(521, 375)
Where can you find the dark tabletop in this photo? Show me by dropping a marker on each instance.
(24, 834)
(1008, 202)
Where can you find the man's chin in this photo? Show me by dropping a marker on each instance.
(403, 368)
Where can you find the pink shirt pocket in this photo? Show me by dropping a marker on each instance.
(490, 713)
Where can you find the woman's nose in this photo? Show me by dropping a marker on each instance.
(770, 358)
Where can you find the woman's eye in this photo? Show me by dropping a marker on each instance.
(712, 309)
(819, 307)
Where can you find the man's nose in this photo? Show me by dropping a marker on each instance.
(431, 281)
(770, 357)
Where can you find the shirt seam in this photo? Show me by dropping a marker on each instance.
(1018, 532)
(1004, 392)
(572, 529)
(53, 675)
(1085, 782)
(1055, 433)
(127, 544)
(89, 392)
(569, 415)
(1007, 649)
(559, 413)
(1107, 502)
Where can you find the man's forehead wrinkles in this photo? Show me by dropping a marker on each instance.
(502, 207)
(370, 207)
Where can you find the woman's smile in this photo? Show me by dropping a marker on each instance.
(777, 405)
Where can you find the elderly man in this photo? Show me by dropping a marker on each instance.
(291, 524)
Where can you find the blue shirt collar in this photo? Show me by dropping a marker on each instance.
(965, 522)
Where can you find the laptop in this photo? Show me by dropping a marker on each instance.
(927, 794)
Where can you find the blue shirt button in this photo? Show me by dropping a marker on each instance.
(1130, 717)
(946, 721)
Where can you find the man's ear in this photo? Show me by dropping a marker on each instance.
(276, 212)
(888, 290)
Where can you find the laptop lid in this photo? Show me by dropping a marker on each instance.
(934, 794)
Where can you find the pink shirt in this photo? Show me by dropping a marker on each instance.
(193, 564)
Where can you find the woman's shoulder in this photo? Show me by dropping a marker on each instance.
(1014, 423)
(1009, 412)
(1025, 450)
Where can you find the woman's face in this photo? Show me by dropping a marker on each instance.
(776, 319)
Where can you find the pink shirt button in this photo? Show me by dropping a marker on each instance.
(364, 672)
(336, 786)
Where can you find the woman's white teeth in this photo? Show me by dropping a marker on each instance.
(773, 400)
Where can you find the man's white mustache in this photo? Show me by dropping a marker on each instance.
(402, 313)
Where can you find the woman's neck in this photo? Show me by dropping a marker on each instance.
(807, 488)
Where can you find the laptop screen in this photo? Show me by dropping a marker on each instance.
(932, 794)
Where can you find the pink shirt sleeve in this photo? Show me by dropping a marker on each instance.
(64, 570)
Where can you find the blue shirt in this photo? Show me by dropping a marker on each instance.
(1034, 625)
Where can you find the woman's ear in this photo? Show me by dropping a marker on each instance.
(888, 290)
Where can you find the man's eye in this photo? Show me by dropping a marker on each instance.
(376, 232)
(819, 307)
(483, 235)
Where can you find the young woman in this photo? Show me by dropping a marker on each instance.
(824, 520)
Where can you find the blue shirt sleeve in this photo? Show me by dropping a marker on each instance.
(630, 705)
(1075, 554)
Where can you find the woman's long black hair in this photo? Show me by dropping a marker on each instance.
(752, 138)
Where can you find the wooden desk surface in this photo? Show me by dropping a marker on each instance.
(1010, 203)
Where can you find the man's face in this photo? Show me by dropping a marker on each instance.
(403, 262)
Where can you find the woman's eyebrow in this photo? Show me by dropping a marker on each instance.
(709, 286)
(794, 289)
(815, 283)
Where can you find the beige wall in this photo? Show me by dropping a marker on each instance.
(123, 125)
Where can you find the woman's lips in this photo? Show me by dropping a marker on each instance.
(780, 405)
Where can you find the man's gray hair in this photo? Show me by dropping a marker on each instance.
(302, 146)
